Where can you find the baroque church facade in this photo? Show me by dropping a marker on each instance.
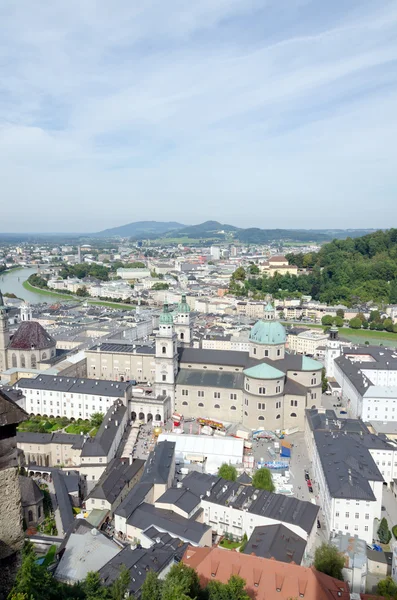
(265, 388)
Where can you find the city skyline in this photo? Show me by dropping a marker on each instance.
(221, 110)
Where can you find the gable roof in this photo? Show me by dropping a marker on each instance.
(265, 578)
(30, 491)
(31, 335)
(278, 542)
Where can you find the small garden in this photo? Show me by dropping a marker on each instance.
(40, 424)
(230, 542)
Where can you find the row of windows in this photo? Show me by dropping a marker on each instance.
(262, 390)
(200, 404)
(357, 515)
(33, 360)
(347, 527)
(217, 395)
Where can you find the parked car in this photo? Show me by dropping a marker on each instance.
(310, 489)
(328, 393)
(307, 476)
(309, 483)
(343, 412)
(318, 524)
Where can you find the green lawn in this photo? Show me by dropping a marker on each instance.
(37, 290)
(50, 556)
(78, 428)
(39, 425)
(117, 305)
(367, 334)
(229, 545)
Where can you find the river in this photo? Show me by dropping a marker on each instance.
(12, 281)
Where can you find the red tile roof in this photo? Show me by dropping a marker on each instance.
(31, 335)
(266, 579)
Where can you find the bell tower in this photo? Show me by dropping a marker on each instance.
(183, 323)
(166, 356)
(332, 350)
(4, 335)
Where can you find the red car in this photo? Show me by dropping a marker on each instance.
(309, 483)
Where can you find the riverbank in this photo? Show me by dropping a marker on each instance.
(31, 288)
(117, 305)
(358, 336)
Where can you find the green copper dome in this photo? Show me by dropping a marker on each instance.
(183, 306)
(268, 332)
(166, 317)
(269, 307)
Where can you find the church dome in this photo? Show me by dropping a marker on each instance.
(268, 332)
(183, 306)
(166, 317)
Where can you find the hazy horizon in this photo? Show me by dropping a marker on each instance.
(249, 113)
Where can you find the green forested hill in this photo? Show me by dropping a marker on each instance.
(347, 271)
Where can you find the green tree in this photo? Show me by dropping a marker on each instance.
(388, 325)
(181, 583)
(374, 315)
(239, 274)
(160, 286)
(96, 419)
(83, 292)
(355, 323)
(340, 313)
(152, 587)
(328, 560)
(262, 480)
(324, 381)
(254, 270)
(228, 472)
(387, 588)
(327, 320)
(33, 580)
(234, 589)
(384, 533)
(119, 587)
(338, 321)
(92, 587)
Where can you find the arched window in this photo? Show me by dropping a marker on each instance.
(44, 356)
(164, 350)
(30, 516)
(261, 418)
(184, 403)
(262, 390)
(293, 415)
(33, 362)
(278, 417)
(182, 336)
(200, 404)
(23, 362)
(216, 406)
(14, 360)
(233, 408)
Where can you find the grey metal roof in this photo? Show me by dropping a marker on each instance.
(221, 379)
(63, 500)
(123, 348)
(327, 420)
(244, 478)
(141, 560)
(181, 498)
(30, 491)
(72, 439)
(347, 465)
(75, 385)
(102, 442)
(267, 504)
(199, 483)
(278, 542)
(133, 499)
(147, 515)
(159, 463)
(294, 388)
(231, 358)
(114, 479)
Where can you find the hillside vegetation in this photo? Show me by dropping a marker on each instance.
(343, 271)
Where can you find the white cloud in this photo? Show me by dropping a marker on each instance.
(224, 109)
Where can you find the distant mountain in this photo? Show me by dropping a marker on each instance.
(141, 229)
(208, 229)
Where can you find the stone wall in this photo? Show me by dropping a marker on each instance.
(11, 530)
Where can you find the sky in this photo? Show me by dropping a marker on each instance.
(264, 113)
